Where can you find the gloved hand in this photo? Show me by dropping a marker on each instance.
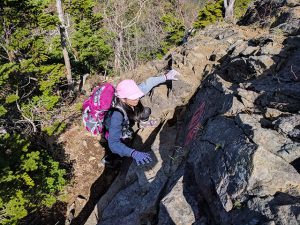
(141, 157)
(171, 75)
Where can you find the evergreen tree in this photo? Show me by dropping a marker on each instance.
(30, 73)
(90, 40)
(175, 31)
(210, 13)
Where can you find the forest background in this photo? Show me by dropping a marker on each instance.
(47, 47)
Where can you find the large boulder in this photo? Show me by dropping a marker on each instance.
(226, 150)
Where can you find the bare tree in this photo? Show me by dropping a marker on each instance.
(228, 5)
(188, 11)
(138, 29)
(120, 16)
(144, 37)
(63, 38)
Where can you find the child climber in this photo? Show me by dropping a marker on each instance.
(128, 110)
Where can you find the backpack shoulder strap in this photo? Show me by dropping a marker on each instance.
(120, 109)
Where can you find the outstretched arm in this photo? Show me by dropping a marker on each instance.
(151, 82)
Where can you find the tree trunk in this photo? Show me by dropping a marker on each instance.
(62, 30)
(228, 5)
(118, 51)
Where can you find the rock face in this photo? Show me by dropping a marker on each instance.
(280, 15)
(227, 150)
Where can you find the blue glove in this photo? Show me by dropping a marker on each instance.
(141, 157)
(171, 75)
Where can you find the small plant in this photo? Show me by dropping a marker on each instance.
(11, 98)
(237, 204)
(55, 129)
(218, 146)
(3, 111)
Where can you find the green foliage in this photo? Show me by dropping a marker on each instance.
(50, 75)
(91, 46)
(175, 31)
(3, 111)
(46, 100)
(11, 98)
(29, 66)
(90, 40)
(7, 69)
(237, 204)
(14, 209)
(29, 178)
(55, 129)
(240, 7)
(78, 107)
(174, 28)
(30, 161)
(211, 13)
(81, 9)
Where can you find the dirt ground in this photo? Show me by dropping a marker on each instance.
(85, 151)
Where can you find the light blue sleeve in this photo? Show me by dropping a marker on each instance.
(115, 132)
(150, 83)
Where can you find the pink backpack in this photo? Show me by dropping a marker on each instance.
(96, 107)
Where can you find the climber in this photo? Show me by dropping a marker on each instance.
(126, 111)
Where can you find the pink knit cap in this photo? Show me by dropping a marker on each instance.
(128, 89)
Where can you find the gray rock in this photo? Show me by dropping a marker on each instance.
(240, 70)
(273, 113)
(271, 48)
(261, 12)
(280, 145)
(292, 3)
(250, 50)
(288, 214)
(293, 41)
(226, 34)
(261, 63)
(280, 96)
(289, 22)
(177, 207)
(238, 49)
(218, 54)
(222, 154)
(248, 97)
(290, 126)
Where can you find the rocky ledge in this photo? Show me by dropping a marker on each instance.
(227, 150)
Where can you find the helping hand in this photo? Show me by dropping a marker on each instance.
(141, 157)
(171, 75)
